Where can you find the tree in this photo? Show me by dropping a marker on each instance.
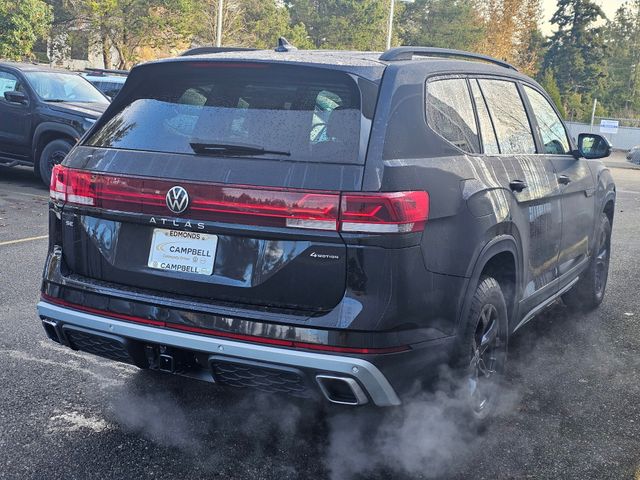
(342, 24)
(622, 38)
(548, 82)
(248, 23)
(440, 23)
(513, 33)
(576, 54)
(129, 26)
(22, 22)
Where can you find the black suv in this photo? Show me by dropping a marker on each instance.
(43, 113)
(324, 223)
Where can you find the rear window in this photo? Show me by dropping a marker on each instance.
(293, 113)
(450, 113)
(509, 117)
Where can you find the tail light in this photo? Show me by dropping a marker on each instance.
(379, 212)
(396, 212)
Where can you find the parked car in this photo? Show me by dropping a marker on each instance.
(633, 155)
(109, 82)
(43, 113)
(325, 224)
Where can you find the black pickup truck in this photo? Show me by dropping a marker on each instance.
(43, 113)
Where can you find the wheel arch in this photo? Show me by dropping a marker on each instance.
(48, 131)
(500, 258)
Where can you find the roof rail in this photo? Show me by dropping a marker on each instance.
(210, 49)
(407, 53)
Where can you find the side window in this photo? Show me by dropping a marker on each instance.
(509, 116)
(552, 132)
(8, 83)
(487, 130)
(450, 113)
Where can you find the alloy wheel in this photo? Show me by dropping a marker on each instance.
(485, 361)
(602, 263)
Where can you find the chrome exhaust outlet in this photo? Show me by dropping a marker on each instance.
(51, 329)
(341, 390)
(166, 363)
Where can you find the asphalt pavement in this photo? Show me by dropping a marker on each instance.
(570, 410)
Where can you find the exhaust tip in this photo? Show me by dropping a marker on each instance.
(166, 363)
(341, 390)
(50, 328)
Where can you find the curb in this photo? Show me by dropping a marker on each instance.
(622, 165)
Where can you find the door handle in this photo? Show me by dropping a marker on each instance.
(517, 185)
(564, 180)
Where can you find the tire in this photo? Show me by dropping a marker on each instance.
(588, 293)
(483, 350)
(52, 154)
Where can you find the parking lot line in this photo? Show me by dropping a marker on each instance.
(22, 240)
(45, 197)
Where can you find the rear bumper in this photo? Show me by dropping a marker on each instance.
(116, 339)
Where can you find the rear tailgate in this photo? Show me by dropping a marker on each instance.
(245, 257)
(254, 228)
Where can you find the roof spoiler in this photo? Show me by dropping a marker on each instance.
(210, 49)
(406, 53)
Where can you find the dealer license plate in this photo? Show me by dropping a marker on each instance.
(186, 252)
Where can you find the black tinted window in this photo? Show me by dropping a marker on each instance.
(487, 131)
(552, 132)
(509, 116)
(312, 114)
(450, 113)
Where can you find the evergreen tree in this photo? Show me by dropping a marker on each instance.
(622, 95)
(576, 55)
(342, 24)
(548, 82)
(440, 23)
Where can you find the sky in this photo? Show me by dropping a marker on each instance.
(549, 7)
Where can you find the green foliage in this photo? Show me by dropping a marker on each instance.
(440, 23)
(576, 54)
(22, 22)
(266, 21)
(298, 36)
(548, 82)
(583, 59)
(131, 25)
(342, 24)
(622, 95)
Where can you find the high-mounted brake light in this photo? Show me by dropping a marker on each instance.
(377, 212)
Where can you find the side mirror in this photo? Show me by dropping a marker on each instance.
(16, 97)
(592, 146)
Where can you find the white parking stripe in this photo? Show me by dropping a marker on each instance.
(44, 197)
(22, 240)
(628, 191)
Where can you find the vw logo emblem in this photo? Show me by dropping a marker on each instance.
(177, 199)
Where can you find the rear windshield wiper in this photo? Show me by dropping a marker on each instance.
(55, 100)
(232, 149)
